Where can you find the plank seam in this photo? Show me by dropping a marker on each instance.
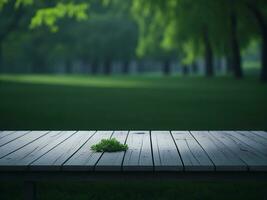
(11, 133)
(194, 156)
(61, 166)
(125, 142)
(241, 141)
(14, 138)
(229, 149)
(28, 166)
(228, 136)
(256, 134)
(214, 166)
(250, 136)
(151, 148)
(25, 145)
(141, 148)
(94, 167)
(178, 151)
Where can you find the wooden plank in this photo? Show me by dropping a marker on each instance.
(9, 136)
(255, 160)
(222, 157)
(20, 142)
(54, 159)
(165, 153)
(139, 155)
(260, 133)
(251, 139)
(5, 133)
(193, 156)
(85, 159)
(112, 161)
(21, 158)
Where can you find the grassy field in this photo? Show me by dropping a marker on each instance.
(84, 102)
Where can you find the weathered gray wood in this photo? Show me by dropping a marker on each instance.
(9, 136)
(222, 157)
(254, 159)
(54, 159)
(260, 133)
(159, 151)
(5, 133)
(112, 161)
(20, 142)
(250, 139)
(139, 155)
(21, 158)
(193, 156)
(85, 158)
(165, 153)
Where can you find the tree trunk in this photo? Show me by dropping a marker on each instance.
(107, 67)
(94, 67)
(167, 67)
(263, 28)
(236, 57)
(194, 67)
(140, 67)
(208, 55)
(1, 59)
(264, 58)
(11, 26)
(185, 70)
(39, 66)
(68, 67)
(85, 66)
(219, 64)
(229, 67)
(125, 67)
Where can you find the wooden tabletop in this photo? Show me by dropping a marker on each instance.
(148, 151)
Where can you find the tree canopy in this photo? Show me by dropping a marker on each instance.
(108, 30)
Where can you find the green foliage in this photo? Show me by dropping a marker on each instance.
(182, 23)
(49, 16)
(18, 3)
(106, 35)
(166, 29)
(109, 145)
(23, 3)
(2, 3)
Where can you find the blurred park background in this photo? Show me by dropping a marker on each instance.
(133, 64)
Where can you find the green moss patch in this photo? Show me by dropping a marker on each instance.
(109, 145)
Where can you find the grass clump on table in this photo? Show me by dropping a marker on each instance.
(109, 145)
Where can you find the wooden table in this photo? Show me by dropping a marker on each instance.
(45, 155)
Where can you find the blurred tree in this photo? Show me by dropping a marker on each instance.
(109, 35)
(9, 21)
(183, 30)
(150, 45)
(258, 9)
(108, 38)
(47, 13)
(206, 27)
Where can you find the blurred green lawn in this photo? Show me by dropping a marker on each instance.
(131, 102)
(143, 102)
